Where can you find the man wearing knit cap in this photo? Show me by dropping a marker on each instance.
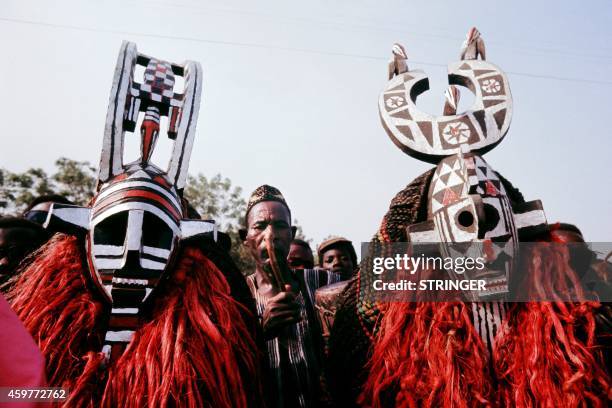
(337, 254)
(285, 299)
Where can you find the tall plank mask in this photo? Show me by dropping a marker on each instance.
(469, 212)
(136, 220)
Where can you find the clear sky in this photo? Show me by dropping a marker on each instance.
(291, 90)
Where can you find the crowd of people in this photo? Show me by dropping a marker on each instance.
(291, 321)
(294, 320)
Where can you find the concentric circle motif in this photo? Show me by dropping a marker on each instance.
(491, 85)
(456, 132)
(395, 102)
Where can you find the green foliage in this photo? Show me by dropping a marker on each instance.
(216, 199)
(73, 179)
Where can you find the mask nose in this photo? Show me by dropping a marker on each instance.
(133, 244)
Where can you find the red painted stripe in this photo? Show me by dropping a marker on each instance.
(147, 195)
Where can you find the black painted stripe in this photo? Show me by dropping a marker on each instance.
(142, 255)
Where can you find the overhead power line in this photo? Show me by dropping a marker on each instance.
(387, 27)
(273, 47)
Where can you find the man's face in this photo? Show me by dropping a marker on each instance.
(15, 244)
(338, 260)
(268, 221)
(300, 257)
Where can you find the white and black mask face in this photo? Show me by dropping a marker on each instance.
(472, 217)
(134, 230)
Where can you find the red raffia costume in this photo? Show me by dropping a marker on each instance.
(410, 354)
(132, 307)
(430, 354)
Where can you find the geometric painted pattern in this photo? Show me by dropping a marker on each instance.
(490, 86)
(488, 220)
(130, 97)
(449, 183)
(158, 82)
(467, 202)
(430, 137)
(484, 180)
(456, 133)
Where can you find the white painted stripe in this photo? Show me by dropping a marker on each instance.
(134, 230)
(424, 236)
(141, 282)
(528, 219)
(147, 293)
(74, 215)
(108, 250)
(124, 310)
(160, 252)
(491, 327)
(181, 152)
(123, 336)
(195, 227)
(482, 329)
(475, 316)
(106, 350)
(108, 263)
(113, 135)
(148, 264)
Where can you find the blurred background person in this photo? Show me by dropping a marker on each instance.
(338, 255)
(300, 255)
(38, 209)
(18, 238)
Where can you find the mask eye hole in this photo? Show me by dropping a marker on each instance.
(155, 232)
(491, 217)
(111, 231)
(465, 218)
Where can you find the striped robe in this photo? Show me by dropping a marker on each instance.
(294, 357)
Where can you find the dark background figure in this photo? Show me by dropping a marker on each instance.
(38, 209)
(300, 255)
(18, 238)
(338, 255)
